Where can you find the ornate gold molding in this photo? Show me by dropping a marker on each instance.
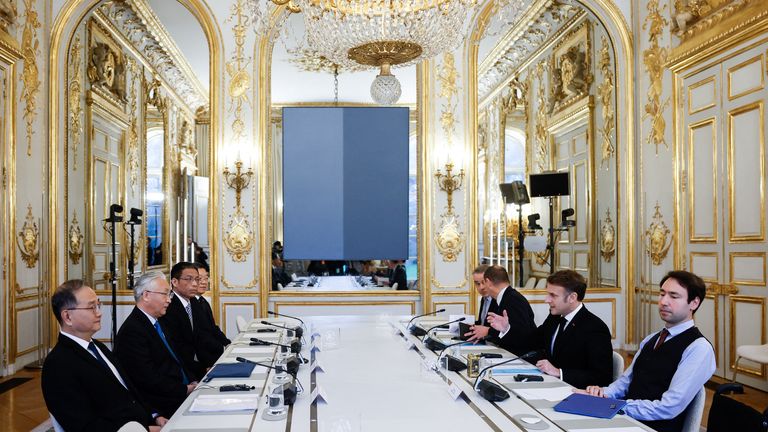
(75, 240)
(30, 81)
(449, 240)
(448, 76)
(607, 237)
(540, 131)
(74, 98)
(653, 61)
(237, 69)
(605, 94)
(239, 237)
(27, 240)
(692, 17)
(134, 158)
(570, 76)
(657, 238)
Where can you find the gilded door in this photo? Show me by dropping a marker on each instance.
(722, 191)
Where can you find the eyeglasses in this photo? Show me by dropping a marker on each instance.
(190, 279)
(165, 294)
(95, 308)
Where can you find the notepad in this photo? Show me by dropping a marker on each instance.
(591, 406)
(552, 394)
(230, 370)
(221, 403)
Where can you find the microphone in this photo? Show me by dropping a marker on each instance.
(299, 331)
(434, 344)
(416, 330)
(452, 363)
(491, 391)
(295, 345)
(287, 316)
(289, 389)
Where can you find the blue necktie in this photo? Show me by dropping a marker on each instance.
(165, 342)
(99, 358)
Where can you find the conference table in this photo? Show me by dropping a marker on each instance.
(368, 373)
(334, 283)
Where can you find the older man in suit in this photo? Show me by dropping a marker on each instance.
(84, 387)
(145, 347)
(575, 342)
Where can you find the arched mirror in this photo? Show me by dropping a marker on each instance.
(550, 107)
(137, 137)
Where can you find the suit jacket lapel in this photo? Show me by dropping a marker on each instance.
(86, 356)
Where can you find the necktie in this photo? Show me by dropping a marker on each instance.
(561, 328)
(165, 342)
(484, 310)
(189, 313)
(99, 358)
(662, 337)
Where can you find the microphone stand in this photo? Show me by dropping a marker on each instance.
(111, 229)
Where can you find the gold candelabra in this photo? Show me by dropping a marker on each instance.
(238, 180)
(449, 183)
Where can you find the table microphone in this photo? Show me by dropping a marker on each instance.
(287, 316)
(289, 389)
(452, 363)
(434, 344)
(491, 391)
(295, 345)
(416, 330)
(299, 331)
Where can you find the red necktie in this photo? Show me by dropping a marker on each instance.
(662, 337)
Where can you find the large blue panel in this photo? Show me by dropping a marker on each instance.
(376, 183)
(313, 183)
(345, 183)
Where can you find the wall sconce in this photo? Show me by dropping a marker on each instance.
(238, 180)
(449, 183)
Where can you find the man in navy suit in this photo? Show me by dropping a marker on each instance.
(84, 387)
(145, 346)
(212, 340)
(183, 318)
(575, 342)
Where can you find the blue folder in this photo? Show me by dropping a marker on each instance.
(230, 370)
(591, 406)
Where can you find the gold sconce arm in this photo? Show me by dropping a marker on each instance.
(238, 181)
(449, 183)
(292, 6)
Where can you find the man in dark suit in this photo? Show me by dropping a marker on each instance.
(506, 302)
(279, 276)
(576, 343)
(84, 387)
(145, 347)
(180, 317)
(211, 339)
(485, 299)
(396, 275)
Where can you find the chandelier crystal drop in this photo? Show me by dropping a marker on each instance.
(385, 89)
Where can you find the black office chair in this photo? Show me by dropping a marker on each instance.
(728, 415)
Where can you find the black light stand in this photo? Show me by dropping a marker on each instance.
(112, 221)
(132, 222)
(516, 193)
(564, 226)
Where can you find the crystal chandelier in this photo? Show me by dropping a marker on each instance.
(382, 33)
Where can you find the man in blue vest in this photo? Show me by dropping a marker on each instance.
(672, 365)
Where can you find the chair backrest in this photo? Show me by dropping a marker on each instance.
(56, 426)
(694, 412)
(394, 286)
(530, 283)
(242, 324)
(280, 286)
(132, 427)
(541, 283)
(618, 365)
(727, 414)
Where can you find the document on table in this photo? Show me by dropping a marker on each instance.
(253, 350)
(220, 403)
(553, 394)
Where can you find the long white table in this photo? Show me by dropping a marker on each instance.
(373, 382)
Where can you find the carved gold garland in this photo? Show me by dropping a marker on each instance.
(654, 59)
(237, 69)
(448, 76)
(449, 240)
(133, 127)
(657, 238)
(27, 240)
(74, 96)
(30, 48)
(540, 131)
(239, 237)
(75, 240)
(605, 93)
(607, 237)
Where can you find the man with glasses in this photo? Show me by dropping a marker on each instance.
(212, 339)
(83, 384)
(145, 346)
(183, 315)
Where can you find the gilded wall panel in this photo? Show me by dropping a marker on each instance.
(702, 181)
(745, 135)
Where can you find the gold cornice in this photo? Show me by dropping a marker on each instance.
(157, 29)
(377, 293)
(749, 22)
(9, 48)
(277, 106)
(524, 22)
